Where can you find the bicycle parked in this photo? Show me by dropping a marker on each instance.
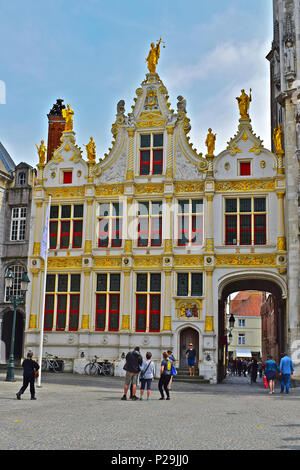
(100, 368)
(51, 363)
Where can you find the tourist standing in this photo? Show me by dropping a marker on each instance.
(286, 369)
(191, 355)
(132, 366)
(165, 376)
(173, 360)
(270, 372)
(146, 375)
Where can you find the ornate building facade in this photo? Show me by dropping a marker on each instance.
(147, 243)
(284, 60)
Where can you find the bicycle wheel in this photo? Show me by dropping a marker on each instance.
(55, 366)
(87, 369)
(44, 364)
(109, 369)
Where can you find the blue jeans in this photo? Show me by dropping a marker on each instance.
(285, 381)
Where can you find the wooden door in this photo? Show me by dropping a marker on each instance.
(187, 336)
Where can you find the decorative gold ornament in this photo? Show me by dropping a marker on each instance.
(167, 323)
(249, 185)
(210, 142)
(281, 244)
(41, 152)
(277, 138)
(85, 322)
(125, 322)
(244, 103)
(209, 323)
(68, 116)
(91, 150)
(153, 56)
(245, 260)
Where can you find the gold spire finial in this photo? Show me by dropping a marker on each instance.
(153, 56)
(244, 103)
(68, 116)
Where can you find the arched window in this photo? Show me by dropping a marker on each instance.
(15, 290)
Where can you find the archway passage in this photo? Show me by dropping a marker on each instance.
(7, 333)
(187, 335)
(276, 342)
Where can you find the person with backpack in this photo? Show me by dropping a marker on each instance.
(146, 375)
(132, 366)
(165, 376)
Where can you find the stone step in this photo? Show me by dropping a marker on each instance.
(187, 378)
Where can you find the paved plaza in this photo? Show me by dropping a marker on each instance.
(86, 413)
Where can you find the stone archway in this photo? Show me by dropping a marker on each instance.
(186, 336)
(19, 333)
(256, 281)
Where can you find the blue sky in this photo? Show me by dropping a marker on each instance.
(91, 53)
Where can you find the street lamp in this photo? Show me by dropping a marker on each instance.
(231, 321)
(15, 300)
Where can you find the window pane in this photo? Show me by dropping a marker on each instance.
(245, 205)
(50, 283)
(156, 231)
(117, 209)
(145, 140)
(182, 284)
(259, 204)
(104, 210)
(54, 212)
(141, 282)
(230, 205)
(155, 282)
(75, 282)
(65, 235)
(197, 206)
(145, 162)
(231, 230)
(156, 208)
(114, 285)
(77, 233)
(158, 140)
(157, 162)
(78, 210)
(143, 208)
(53, 234)
(101, 282)
(65, 212)
(62, 284)
(183, 230)
(196, 284)
(245, 229)
(61, 311)
(114, 302)
(183, 207)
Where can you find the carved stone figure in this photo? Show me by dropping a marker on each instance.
(68, 116)
(244, 103)
(91, 150)
(121, 107)
(181, 105)
(41, 152)
(153, 56)
(277, 138)
(289, 57)
(210, 142)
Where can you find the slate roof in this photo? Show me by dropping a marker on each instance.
(6, 159)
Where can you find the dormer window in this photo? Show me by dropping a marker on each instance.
(22, 179)
(151, 154)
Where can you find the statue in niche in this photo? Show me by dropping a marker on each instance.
(277, 138)
(244, 102)
(41, 152)
(210, 142)
(289, 57)
(68, 116)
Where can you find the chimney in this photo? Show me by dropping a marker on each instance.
(56, 126)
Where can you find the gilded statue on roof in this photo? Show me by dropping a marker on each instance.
(91, 150)
(210, 142)
(153, 56)
(68, 116)
(244, 103)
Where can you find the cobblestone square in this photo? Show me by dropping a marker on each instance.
(86, 413)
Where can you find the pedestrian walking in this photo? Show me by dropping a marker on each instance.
(30, 368)
(147, 375)
(132, 366)
(191, 355)
(165, 376)
(286, 369)
(173, 360)
(271, 368)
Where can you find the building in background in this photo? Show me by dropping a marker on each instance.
(15, 211)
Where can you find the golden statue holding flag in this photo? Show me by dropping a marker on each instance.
(153, 56)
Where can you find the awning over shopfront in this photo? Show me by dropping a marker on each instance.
(243, 353)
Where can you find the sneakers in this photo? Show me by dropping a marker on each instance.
(141, 399)
(168, 398)
(124, 397)
(162, 398)
(134, 398)
(18, 396)
(148, 399)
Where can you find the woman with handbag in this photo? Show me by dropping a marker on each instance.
(30, 373)
(146, 376)
(173, 368)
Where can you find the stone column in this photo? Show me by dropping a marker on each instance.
(86, 304)
(167, 318)
(39, 224)
(130, 161)
(281, 241)
(126, 302)
(89, 226)
(209, 229)
(35, 300)
(209, 317)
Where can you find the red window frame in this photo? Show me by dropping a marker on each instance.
(154, 312)
(67, 177)
(143, 232)
(184, 230)
(227, 229)
(245, 168)
(77, 234)
(61, 311)
(114, 312)
(141, 312)
(244, 229)
(155, 231)
(48, 312)
(100, 311)
(74, 311)
(116, 241)
(197, 230)
(103, 232)
(64, 234)
(157, 162)
(53, 234)
(262, 229)
(145, 163)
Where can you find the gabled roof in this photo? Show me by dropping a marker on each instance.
(247, 303)
(6, 159)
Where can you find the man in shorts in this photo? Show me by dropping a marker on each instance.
(132, 366)
(191, 355)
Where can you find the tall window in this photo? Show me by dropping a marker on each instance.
(108, 301)
(15, 290)
(148, 301)
(150, 223)
(65, 226)
(189, 284)
(18, 223)
(110, 224)
(22, 179)
(245, 221)
(190, 222)
(151, 154)
(241, 339)
(62, 302)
